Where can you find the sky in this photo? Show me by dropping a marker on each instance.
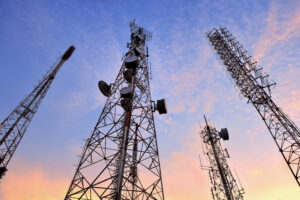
(185, 70)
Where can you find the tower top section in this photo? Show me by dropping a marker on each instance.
(139, 31)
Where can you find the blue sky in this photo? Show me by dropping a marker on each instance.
(185, 70)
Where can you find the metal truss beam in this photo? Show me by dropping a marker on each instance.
(256, 88)
(13, 128)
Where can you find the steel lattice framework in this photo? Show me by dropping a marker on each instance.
(120, 160)
(13, 128)
(255, 86)
(224, 185)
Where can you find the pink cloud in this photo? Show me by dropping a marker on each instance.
(280, 27)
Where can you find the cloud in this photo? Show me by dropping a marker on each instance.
(287, 92)
(31, 182)
(274, 49)
(281, 26)
(183, 178)
(255, 178)
(182, 174)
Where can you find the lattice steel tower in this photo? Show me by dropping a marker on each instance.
(12, 129)
(255, 86)
(120, 160)
(224, 185)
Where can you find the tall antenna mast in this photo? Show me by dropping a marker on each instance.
(120, 159)
(256, 88)
(13, 128)
(224, 185)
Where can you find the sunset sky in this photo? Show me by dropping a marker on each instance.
(185, 70)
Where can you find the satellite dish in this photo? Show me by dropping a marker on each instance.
(224, 134)
(128, 74)
(104, 88)
(125, 92)
(131, 62)
(161, 106)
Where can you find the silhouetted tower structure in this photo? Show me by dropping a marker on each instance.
(224, 185)
(120, 159)
(12, 129)
(255, 86)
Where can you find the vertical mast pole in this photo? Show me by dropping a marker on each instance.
(220, 169)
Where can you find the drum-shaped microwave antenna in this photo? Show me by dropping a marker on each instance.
(128, 74)
(125, 92)
(125, 103)
(138, 51)
(104, 88)
(224, 134)
(161, 106)
(131, 62)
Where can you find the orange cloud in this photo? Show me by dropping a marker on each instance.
(268, 179)
(183, 178)
(264, 174)
(32, 183)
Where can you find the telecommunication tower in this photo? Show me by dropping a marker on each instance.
(224, 185)
(13, 128)
(120, 159)
(256, 88)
